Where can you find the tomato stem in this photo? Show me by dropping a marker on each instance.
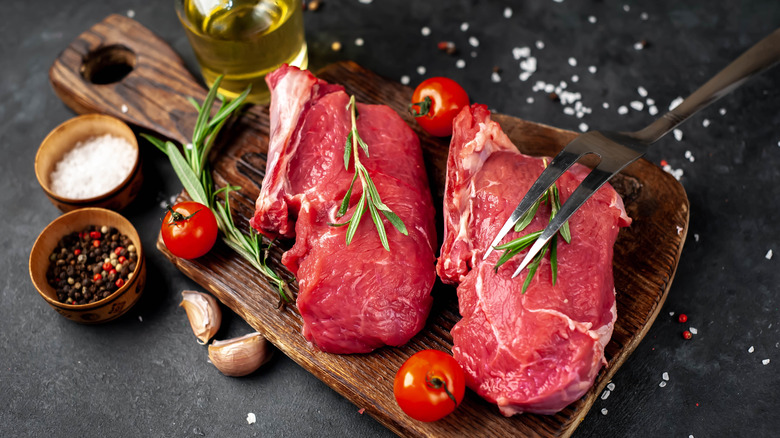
(177, 217)
(424, 107)
(436, 382)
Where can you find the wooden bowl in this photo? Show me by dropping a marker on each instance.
(63, 138)
(106, 309)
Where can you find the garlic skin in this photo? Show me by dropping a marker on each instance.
(240, 356)
(203, 312)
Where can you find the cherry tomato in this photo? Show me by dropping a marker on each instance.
(435, 102)
(429, 385)
(189, 229)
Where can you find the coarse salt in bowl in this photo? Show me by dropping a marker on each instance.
(90, 161)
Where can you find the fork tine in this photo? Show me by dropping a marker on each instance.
(595, 179)
(562, 162)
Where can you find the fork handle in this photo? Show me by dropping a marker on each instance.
(763, 55)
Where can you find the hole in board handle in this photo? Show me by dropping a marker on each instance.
(107, 65)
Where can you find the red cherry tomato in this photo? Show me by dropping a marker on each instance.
(189, 230)
(429, 385)
(435, 102)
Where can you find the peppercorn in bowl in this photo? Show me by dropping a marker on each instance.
(90, 161)
(88, 265)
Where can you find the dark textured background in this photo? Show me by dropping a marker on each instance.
(144, 375)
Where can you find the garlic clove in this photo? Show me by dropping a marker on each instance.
(203, 312)
(240, 356)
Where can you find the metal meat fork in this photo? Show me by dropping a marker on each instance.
(619, 149)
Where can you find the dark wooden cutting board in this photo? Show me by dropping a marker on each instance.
(152, 97)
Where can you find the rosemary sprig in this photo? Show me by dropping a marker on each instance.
(369, 198)
(192, 167)
(513, 247)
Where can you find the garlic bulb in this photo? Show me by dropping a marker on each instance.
(240, 356)
(203, 312)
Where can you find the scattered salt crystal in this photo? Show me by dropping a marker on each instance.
(662, 384)
(540, 44)
(678, 134)
(605, 394)
(637, 105)
(592, 19)
(592, 69)
(569, 111)
(425, 31)
(675, 103)
(521, 52)
(722, 111)
(125, 108)
(572, 62)
(695, 237)
(583, 127)
(665, 376)
(93, 167)
(626, 8)
(676, 173)
(679, 230)
(768, 255)
(693, 330)
(130, 13)
(460, 63)
(765, 361)
(530, 100)
(689, 156)
(558, 1)
(140, 318)
(653, 110)
(421, 70)
(474, 41)
(528, 64)
(549, 88)
(604, 411)
(525, 75)
(622, 109)
(644, 16)
(650, 101)
(605, 105)
(671, 313)
(495, 77)
(641, 90)
(359, 42)
(464, 26)
(405, 80)
(251, 418)
(751, 349)
(575, 78)
(705, 122)
(563, 84)
(508, 13)
(365, 2)
(611, 386)
(638, 45)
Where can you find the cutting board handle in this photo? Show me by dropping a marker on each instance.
(119, 67)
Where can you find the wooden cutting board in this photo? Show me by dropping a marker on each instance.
(152, 97)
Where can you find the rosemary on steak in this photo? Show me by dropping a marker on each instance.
(192, 167)
(513, 247)
(369, 198)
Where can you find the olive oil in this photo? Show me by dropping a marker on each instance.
(244, 40)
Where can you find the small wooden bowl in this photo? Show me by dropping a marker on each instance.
(103, 310)
(63, 138)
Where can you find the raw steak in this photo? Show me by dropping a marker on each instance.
(539, 351)
(356, 298)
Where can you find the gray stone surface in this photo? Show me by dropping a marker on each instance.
(144, 374)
